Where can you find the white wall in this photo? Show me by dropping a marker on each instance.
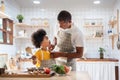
(78, 15)
(117, 6)
(11, 9)
(91, 47)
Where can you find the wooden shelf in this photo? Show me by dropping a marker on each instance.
(114, 35)
(3, 15)
(113, 24)
(22, 25)
(6, 43)
(3, 30)
(92, 37)
(29, 26)
(89, 26)
(93, 19)
(21, 37)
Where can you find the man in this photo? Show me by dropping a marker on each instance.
(69, 40)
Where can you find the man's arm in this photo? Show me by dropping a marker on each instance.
(77, 54)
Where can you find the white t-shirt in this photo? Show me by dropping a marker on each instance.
(76, 36)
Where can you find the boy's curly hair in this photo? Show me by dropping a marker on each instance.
(37, 37)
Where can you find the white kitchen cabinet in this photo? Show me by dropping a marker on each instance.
(98, 70)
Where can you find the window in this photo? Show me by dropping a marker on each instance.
(6, 31)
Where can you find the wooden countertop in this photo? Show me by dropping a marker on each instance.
(98, 60)
(82, 75)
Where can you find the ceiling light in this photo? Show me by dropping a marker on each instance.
(36, 2)
(96, 2)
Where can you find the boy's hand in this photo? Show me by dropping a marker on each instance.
(34, 62)
(33, 57)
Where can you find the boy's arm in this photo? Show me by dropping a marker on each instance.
(34, 59)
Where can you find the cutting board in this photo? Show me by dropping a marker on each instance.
(27, 75)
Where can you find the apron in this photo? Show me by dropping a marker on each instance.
(46, 63)
(64, 44)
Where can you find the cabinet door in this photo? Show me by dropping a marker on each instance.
(1, 37)
(6, 31)
(1, 32)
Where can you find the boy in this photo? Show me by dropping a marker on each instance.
(42, 56)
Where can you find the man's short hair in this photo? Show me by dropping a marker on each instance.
(64, 16)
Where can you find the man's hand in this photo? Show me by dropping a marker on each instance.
(51, 47)
(55, 41)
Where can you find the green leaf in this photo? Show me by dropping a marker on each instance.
(58, 69)
(20, 17)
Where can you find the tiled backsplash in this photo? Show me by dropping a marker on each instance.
(78, 15)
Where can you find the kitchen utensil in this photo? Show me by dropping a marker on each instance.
(29, 50)
(118, 42)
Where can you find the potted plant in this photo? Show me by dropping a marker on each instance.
(20, 18)
(101, 50)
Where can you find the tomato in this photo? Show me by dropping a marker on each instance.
(47, 70)
(66, 69)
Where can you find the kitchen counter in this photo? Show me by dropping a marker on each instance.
(98, 60)
(79, 75)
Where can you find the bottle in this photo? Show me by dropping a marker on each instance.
(2, 6)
